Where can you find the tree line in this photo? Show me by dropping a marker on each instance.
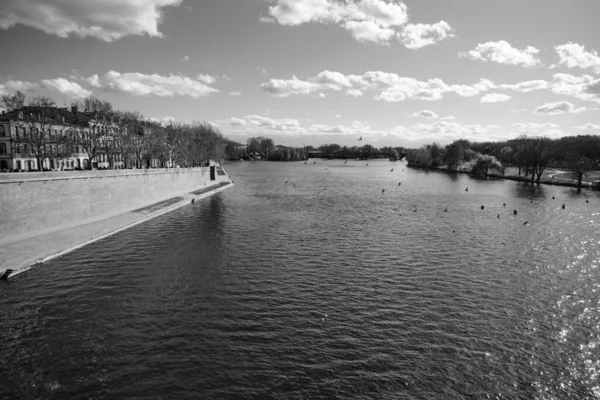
(530, 154)
(266, 149)
(94, 128)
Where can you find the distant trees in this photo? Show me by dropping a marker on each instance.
(261, 145)
(484, 164)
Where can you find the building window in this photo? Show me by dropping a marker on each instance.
(2, 130)
(2, 148)
(3, 165)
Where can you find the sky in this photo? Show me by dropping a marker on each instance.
(397, 73)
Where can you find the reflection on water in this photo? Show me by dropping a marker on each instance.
(226, 298)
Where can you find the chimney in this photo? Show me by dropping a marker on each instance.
(74, 109)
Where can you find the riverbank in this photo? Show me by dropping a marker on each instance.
(45, 216)
(550, 176)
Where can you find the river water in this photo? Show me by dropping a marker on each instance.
(227, 298)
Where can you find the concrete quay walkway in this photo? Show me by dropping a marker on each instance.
(38, 247)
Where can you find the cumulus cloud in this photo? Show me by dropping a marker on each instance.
(284, 88)
(327, 129)
(164, 121)
(453, 128)
(534, 126)
(527, 86)
(369, 31)
(376, 21)
(139, 84)
(494, 98)
(387, 87)
(580, 87)
(235, 93)
(185, 58)
(573, 55)
(105, 20)
(270, 123)
(69, 88)
(262, 70)
(503, 53)
(561, 107)
(237, 121)
(13, 86)
(426, 114)
(208, 79)
(587, 126)
(415, 36)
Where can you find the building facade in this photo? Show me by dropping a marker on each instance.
(62, 142)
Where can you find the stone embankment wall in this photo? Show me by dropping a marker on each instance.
(46, 201)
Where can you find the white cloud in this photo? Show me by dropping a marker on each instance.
(235, 93)
(386, 86)
(580, 87)
(93, 80)
(69, 88)
(327, 129)
(426, 114)
(561, 107)
(587, 126)
(527, 86)
(13, 86)
(262, 70)
(338, 115)
(369, 31)
(237, 121)
(205, 78)
(271, 123)
(354, 92)
(573, 55)
(322, 95)
(449, 118)
(494, 98)
(139, 84)
(453, 128)
(164, 121)
(534, 126)
(105, 20)
(415, 36)
(374, 21)
(297, 12)
(503, 53)
(284, 88)
(185, 58)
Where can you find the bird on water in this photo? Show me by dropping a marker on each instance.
(382, 191)
(504, 204)
(563, 206)
(467, 189)
(399, 183)
(391, 169)
(498, 216)
(446, 210)
(482, 207)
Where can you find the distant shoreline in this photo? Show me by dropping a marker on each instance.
(515, 178)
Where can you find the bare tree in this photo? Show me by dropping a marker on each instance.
(37, 121)
(13, 101)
